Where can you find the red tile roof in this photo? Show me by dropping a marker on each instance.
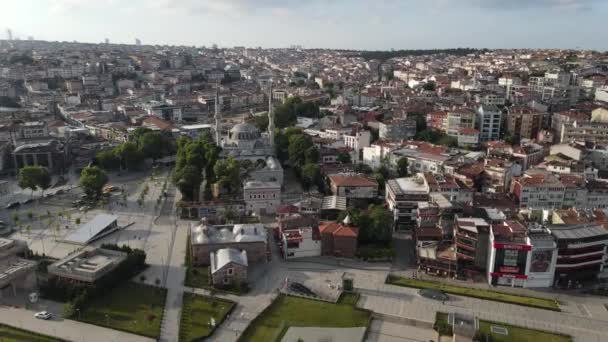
(347, 180)
(337, 229)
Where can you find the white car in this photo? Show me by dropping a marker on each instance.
(43, 315)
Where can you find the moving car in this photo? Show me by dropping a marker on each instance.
(43, 315)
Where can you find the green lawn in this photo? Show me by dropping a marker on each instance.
(288, 311)
(129, 307)
(10, 334)
(197, 276)
(541, 303)
(196, 314)
(519, 334)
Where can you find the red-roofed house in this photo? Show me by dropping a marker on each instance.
(338, 239)
(353, 186)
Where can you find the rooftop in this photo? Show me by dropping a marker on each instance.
(204, 234)
(352, 180)
(225, 256)
(578, 231)
(87, 264)
(100, 226)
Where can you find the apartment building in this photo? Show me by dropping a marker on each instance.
(458, 119)
(471, 236)
(402, 197)
(397, 129)
(489, 121)
(524, 122)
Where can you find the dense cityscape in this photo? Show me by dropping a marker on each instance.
(182, 193)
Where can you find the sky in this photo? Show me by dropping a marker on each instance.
(344, 24)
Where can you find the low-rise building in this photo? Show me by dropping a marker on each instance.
(262, 197)
(15, 273)
(228, 267)
(251, 238)
(353, 186)
(338, 239)
(86, 265)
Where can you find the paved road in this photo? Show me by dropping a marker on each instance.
(405, 302)
(65, 328)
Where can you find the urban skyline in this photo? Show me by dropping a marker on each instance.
(361, 24)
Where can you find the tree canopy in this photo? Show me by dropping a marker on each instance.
(195, 160)
(402, 167)
(34, 178)
(375, 225)
(92, 180)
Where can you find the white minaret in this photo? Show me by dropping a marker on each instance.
(270, 117)
(218, 119)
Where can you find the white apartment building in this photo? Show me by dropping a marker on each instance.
(489, 121)
(302, 242)
(458, 119)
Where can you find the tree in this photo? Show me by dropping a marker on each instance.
(34, 177)
(108, 160)
(189, 182)
(402, 167)
(298, 145)
(92, 180)
(130, 156)
(343, 158)
(363, 168)
(227, 172)
(311, 175)
(430, 86)
(151, 145)
(261, 122)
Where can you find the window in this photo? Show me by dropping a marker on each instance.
(230, 271)
(226, 281)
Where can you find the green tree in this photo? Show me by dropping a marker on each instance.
(343, 158)
(92, 180)
(311, 175)
(261, 122)
(298, 146)
(189, 182)
(430, 86)
(227, 172)
(108, 160)
(363, 168)
(151, 144)
(138, 133)
(34, 177)
(402, 167)
(130, 156)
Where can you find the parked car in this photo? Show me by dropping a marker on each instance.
(43, 315)
(12, 205)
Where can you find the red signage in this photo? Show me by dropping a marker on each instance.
(509, 269)
(512, 246)
(505, 275)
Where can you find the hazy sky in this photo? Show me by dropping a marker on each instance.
(357, 24)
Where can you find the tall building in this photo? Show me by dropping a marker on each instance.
(489, 119)
(137, 42)
(524, 122)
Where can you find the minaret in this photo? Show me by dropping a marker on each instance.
(218, 119)
(270, 117)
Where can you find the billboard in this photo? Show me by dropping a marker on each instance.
(541, 260)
